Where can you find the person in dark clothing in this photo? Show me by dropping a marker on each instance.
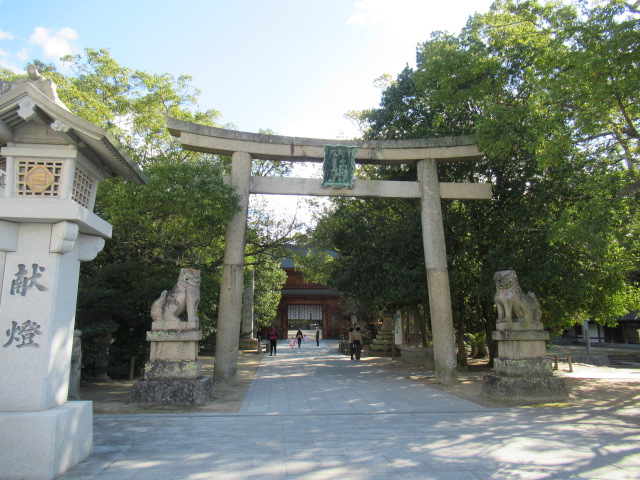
(273, 341)
(351, 351)
(317, 337)
(357, 343)
(299, 337)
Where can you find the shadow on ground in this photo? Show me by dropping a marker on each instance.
(113, 396)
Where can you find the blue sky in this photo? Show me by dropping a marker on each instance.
(293, 66)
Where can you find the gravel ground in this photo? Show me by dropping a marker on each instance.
(603, 388)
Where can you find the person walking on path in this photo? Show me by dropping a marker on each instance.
(299, 337)
(273, 341)
(317, 337)
(351, 333)
(357, 343)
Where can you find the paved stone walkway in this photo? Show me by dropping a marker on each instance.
(311, 413)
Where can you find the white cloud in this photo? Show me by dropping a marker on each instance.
(325, 124)
(403, 24)
(23, 55)
(55, 44)
(399, 27)
(323, 115)
(6, 35)
(405, 17)
(388, 15)
(10, 66)
(7, 61)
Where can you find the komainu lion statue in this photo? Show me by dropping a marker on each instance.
(512, 301)
(185, 294)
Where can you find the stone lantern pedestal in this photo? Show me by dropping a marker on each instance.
(173, 374)
(522, 374)
(522, 371)
(51, 163)
(384, 340)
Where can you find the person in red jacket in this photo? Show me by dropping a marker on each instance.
(273, 341)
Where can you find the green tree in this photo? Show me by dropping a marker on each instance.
(561, 98)
(177, 220)
(560, 145)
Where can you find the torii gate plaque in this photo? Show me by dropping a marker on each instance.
(426, 153)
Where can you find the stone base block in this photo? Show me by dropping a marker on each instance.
(521, 343)
(379, 350)
(520, 335)
(42, 445)
(383, 344)
(179, 370)
(599, 360)
(533, 389)
(248, 344)
(174, 336)
(519, 324)
(418, 356)
(523, 367)
(175, 325)
(179, 345)
(197, 391)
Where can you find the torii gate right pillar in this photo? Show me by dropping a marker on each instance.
(437, 274)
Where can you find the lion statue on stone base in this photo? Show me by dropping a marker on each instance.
(184, 295)
(512, 301)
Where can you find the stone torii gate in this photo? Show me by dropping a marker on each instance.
(426, 153)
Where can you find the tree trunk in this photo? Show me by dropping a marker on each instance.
(424, 330)
(461, 350)
(489, 327)
(481, 350)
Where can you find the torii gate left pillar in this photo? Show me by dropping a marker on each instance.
(227, 339)
(435, 257)
(426, 153)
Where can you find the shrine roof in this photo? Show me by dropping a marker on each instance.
(632, 315)
(309, 292)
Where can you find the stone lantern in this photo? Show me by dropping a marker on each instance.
(51, 163)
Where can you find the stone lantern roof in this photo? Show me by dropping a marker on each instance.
(24, 102)
(52, 161)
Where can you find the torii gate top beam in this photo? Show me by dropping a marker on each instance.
(220, 141)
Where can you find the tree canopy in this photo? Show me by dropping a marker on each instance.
(550, 91)
(177, 220)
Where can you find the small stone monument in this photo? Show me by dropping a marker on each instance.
(75, 370)
(384, 341)
(173, 374)
(522, 371)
